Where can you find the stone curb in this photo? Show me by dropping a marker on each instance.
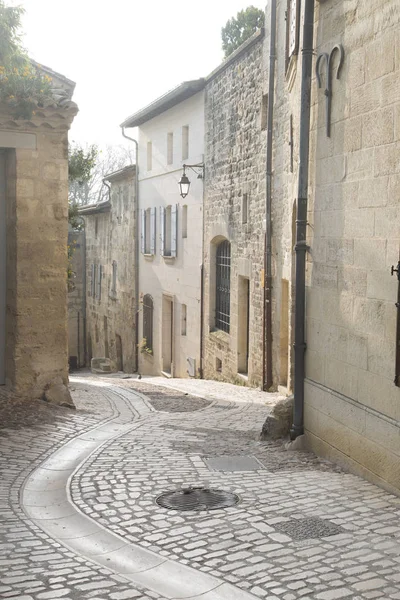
(46, 501)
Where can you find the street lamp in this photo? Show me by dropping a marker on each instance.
(184, 182)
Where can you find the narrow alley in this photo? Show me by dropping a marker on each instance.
(80, 518)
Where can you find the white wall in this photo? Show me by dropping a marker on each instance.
(177, 277)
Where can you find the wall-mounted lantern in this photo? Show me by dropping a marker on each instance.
(184, 182)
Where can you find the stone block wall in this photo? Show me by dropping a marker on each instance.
(352, 405)
(234, 167)
(76, 301)
(37, 222)
(110, 238)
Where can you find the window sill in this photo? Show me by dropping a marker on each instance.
(168, 258)
(113, 296)
(220, 336)
(147, 256)
(148, 355)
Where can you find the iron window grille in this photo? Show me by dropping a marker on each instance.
(223, 286)
(148, 307)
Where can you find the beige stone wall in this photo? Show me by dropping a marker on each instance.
(110, 236)
(76, 301)
(352, 404)
(235, 165)
(37, 214)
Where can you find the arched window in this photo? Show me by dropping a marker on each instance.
(148, 322)
(223, 286)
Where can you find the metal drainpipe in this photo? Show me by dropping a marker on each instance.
(136, 248)
(267, 337)
(83, 230)
(301, 221)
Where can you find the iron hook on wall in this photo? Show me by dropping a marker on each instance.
(326, 58)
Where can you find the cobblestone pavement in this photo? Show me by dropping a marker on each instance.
(302, 529)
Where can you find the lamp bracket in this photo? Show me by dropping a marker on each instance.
(198, 169)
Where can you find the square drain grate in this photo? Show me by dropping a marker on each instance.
(309, 527)
(234, 463)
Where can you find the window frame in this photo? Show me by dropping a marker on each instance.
(223, 286)
(148, 322)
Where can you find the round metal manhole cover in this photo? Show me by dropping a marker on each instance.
(197, 498)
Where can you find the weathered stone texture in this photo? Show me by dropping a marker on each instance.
(235, 165)
(76, 301)
(37, 207)
(351, 348)
(110, 238)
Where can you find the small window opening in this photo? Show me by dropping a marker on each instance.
(149, 156)
(245, 208)
(170, 148)
(218, 365)
(184, 220)
(183, 319)
(185, 142)
(147, 234)
(114, 279)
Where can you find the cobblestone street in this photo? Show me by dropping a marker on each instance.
(302, 527)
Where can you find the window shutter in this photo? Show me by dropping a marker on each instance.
(162, 229)
(153, 230)
(143, 230)
(100, 276)
(174, 224)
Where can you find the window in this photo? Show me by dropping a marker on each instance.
(99, 278)
(183, 319)
(264, 112)
(185, 142)
(148, 308)
(93, 280)
(223, 286)
(170, 148)
(292, 29)
(148, 231)
(184, 220)
(149, 156)
(245, 208)
(114, 279)
(168, 227)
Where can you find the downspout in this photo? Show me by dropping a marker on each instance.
(83, 231)
(136, 248)
(301, 221)
(267, 337)
(201, 317)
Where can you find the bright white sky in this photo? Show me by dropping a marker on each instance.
(123, 54)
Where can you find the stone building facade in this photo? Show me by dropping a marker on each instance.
(171, 133)
(352, 403)
(234, 213)
(110, 228)
(353, 232)
(77, 301)
(33, 244)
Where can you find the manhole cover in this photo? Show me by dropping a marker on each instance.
(234, 463)
(197, 498)
(309, 527)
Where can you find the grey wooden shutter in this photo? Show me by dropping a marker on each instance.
(153, 230)
(99, 278)
(174, 231)
(162, 230)
(143, 230)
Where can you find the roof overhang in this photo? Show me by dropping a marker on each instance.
(179, 94)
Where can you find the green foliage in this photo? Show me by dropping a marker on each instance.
(74, 219)
(22, 85)
(81, 163)
(238, 30)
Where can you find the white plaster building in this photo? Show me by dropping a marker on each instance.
(171, 133)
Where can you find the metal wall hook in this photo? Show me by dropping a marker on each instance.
(326, 58)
